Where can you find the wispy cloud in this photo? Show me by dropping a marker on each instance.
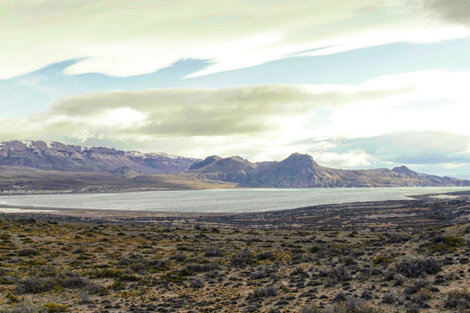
(124, 38)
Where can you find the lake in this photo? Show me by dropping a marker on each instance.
(230, 201)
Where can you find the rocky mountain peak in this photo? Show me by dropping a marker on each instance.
(300, 160)
(404, 170)
(206, 162)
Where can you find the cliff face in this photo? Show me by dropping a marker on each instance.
(301, 171)
(60, 157)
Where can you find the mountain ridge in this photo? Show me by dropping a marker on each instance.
(62, 157)
(301, 171)
(39, 158)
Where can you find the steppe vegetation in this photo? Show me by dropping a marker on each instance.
(59, 265)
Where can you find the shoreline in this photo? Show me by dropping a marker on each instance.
(333, 215)
(74, 192)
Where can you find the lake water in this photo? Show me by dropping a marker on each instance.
(232, 200)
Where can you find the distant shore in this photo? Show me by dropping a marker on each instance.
(420, 210)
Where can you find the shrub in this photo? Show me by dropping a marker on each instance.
(35, 285)
(299, 271)
(367, 295)
(181, 257)
(261, 293)
(27, 252)
(418, 267)
(458, 299)
(202, 268)
(196, 283)
(399, 280)
(350, 306)
(267, 255)
(157, 264)
(340, 297)
(22, 308)
(311, 309)
(30, 308)
(212, 253)
(55, 308)
(423, 295)
(106, 273)
(314, 249)
(339, 274)
(353, 306)
(75, 281)
(44, 271)
(382, 259)
(445, 244)
(389, 298)
(418, 284)
(243, 259)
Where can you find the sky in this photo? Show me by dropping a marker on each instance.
(356, 84)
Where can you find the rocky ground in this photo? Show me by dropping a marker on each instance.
(394, 256)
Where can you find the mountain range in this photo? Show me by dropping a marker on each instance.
(33, 166)
(301, 171)
(61, 157)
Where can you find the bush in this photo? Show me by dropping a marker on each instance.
(299, 271)
(75, 281)
(157, 264)
(27, 252)
(55, 308)
(350, 306)
(202, 268)
(339, 274)
(267, 255)
(35, 285)
(196, 283)
(22, 308)
(445, 244)
(389, 298)
(382, 259)
(314, 249)
(423, 295)
(243, 259)
(212, 253)
(418, 284)
(398, 280)
(340, 297)
(106, 273)
(458, 299)
(181, 257)
(311, 309)
(261, 293)
(418, 267)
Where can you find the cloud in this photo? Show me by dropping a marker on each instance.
(437, 103)
(192, 121)
(417, 118)
(245, 110)
(125, 38)
(349, 159)
(453, 11)
(412, 148)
